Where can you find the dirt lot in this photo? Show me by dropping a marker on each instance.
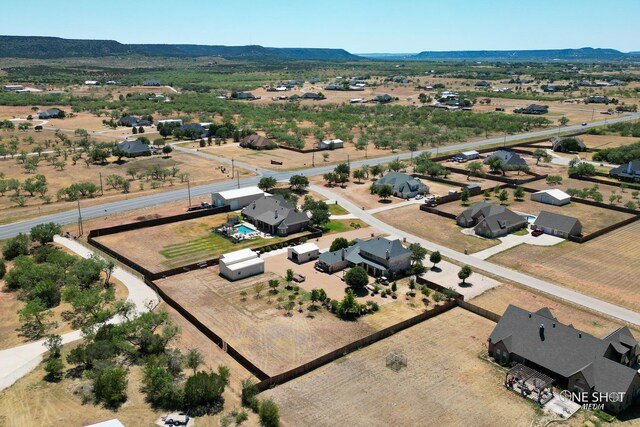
(434, 228)
(200, 171)
(605, 267)
(444, 383)
(170, 245)
(591, 217)
(605, 190)
(262, 332)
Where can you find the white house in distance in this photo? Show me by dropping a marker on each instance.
(551, 196)
(241, 264)
(303, 253)
(469, 155)
(330, 144)
(165, 121)
(237, 198)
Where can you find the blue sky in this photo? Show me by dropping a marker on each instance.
(356, 25)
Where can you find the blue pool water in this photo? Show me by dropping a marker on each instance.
(243, 229)
(531, 218)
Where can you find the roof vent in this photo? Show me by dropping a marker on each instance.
(580, 335)
(386, 254)
(554, 325)
(529, 315)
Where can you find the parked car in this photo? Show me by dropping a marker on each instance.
(299, 278)
(419, 196)
(537, 232)
(584, 123)
(382, 280)
(429, 198)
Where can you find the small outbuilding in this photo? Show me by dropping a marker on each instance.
(237, 198)
(551, 196)
(330, 144)
(241, 264)
(303, 253)
(468, 155)
(558, 225)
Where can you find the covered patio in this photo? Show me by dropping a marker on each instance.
(530, 383)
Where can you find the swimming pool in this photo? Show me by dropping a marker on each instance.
(531, 218)
(243, 229)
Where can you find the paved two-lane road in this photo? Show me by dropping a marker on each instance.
(10, 230)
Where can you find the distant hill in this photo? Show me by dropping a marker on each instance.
(585, 53)
(54, 47)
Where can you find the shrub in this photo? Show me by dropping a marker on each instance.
(16, 246)
(269, 414)
(54, 369)
(110, 386)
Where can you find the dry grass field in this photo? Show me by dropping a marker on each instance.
(605, 190)
(591, 217)
(170, 245)
(606, 267)
(200, 170)
(497, 299)
(445, 383)
(434, 228)
(262, 332)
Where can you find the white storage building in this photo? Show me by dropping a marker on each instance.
(241, 264)
(330, 144)
(469, 155)
(551, 196)
(238, 198)
(303, 253)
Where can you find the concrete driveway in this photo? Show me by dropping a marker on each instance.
(511, 240)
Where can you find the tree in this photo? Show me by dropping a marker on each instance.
(54, 345)
(348, 308)
(158, 384)
(110, 386)
(554, 179)
(167, 149)
(273, 284)
(325, 157)
(3, 268)
(464, 273)
(43, 233)
(377, 170)
(503, 197)
(356, 277)
(86, 271)
(34, 316)
(258, 288)
(16, 246)
(581, 168)
(343, 168)
(518, 193)
(298, 183)
(418, 253)
(435, 258)
(563, 121)
(119, 153)
(193, 359)
(464, 196)
(339, 243)
(539, 154)
(266, 183)
(54, 369)
(474, 169)
(289, 277)
(486, 194)
(384, 191)
(359, 174)
(497, 165)
(269, 414)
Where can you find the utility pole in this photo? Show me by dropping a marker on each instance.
(313, 157)
(593, 112)
(80, 229)
(238, 174)
(365, 150)
(232, 168)
(101, 189)
(348, 161)
(189, 190)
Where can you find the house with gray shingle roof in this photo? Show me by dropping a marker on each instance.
(378, 256)
(558, 225)
(627, 172)
(275, 215)
(508, 157)
(579, 361)
(404, 186)
(133, 148)
(491, 220)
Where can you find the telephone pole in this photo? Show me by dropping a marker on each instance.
(232, 168)
(101, 189)
(238, 174)
(189, 190)
(80, 229)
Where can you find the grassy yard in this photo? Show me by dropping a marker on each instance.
(336, 209)
(212, 245)
(341, 225)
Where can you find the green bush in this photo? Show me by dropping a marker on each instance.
(269, 414)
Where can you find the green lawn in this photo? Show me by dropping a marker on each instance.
(336, 209)
(341, 225)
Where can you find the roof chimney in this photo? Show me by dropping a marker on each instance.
(342, 254)
(254, 204)
(387, 255)
(580, 335)
(276, 214)
(542, 331)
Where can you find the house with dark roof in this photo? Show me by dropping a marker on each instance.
(128, 121)
(597, 100)
(579, 361)
(482, 83)
(383, 99)
(566, 145)
(196, 130)
(133, 148)
(558, 225)
(378, 256)
(311, 95)
(533, 109)
(244, 95)
(51, 113)
(627, 172)
(404, 186)
(257, 142)
(275, 215)
(151, 83)
(490, 220)
(508, 157)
